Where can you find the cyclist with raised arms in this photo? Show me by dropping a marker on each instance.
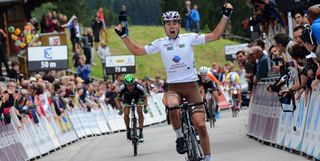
(128, 92)
(207, 85)
(177, 55)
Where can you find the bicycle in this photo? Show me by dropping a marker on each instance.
(195, 152)
(134, 130)
(234, 101)
(209, 104)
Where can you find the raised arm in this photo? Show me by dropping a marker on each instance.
(135, 49)
(217, 32)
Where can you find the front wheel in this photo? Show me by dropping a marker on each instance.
(211, 114)
(195, 152)
(134, 137)
(234, 107)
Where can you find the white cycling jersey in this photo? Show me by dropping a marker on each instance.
(177, 56)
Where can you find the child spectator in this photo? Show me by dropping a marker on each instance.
(76, 58)
(14, 73)
(84, 69)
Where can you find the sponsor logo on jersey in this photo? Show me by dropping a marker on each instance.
(170, 48)
(166, 45)
(182, 45)
(176, 59)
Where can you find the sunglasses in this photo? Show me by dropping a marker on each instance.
(129, 85)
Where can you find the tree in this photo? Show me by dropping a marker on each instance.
(43, 9)
(211, 12)
(78, 8)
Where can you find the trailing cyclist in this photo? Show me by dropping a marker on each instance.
(128, 92)
(178, 58)
(233, 81)
(207, 85)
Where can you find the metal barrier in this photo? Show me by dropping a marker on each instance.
(298, 131)
(29, 140)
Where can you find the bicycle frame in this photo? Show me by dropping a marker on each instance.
(134, 130)
(195, 152)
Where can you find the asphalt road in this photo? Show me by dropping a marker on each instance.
(228, 143)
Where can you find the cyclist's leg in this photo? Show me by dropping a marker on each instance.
(206, 107)
(239, 97)
(141, 119)
(198, 116)
(164, 99)
(140, 115)
(173, 99)
(126, 112)
(216, 100)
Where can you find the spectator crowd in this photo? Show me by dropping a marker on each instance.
(50, 94)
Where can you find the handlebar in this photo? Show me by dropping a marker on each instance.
(133, 105)
(185, 104)
(210, 90)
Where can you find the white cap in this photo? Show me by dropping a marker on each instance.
(32, 79)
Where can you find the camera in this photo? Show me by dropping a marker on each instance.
(290, 64)
(310, 65)
(286, 99)
(276, 87)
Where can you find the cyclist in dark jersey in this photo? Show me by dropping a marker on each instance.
(128, 92)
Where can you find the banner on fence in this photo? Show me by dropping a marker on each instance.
(316, 131)
(299, 130)
(299, 122)
(308, 141)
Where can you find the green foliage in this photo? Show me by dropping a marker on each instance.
(148, 12)
(43, 9)
(140, 12)
(78, 8)
(211, 12)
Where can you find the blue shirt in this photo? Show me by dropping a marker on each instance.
(315, 27)
(262, 68)
(195, 16)
(84, 73)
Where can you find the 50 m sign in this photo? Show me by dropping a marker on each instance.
(44, 58)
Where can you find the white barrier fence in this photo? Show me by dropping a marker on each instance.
(29, 140)
(299, 131)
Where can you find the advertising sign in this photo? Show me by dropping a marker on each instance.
(230, 50)
(120, 64)
(43, 58)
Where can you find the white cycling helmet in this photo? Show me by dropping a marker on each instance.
(171, 16)
(233, 77)
(203, 70)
